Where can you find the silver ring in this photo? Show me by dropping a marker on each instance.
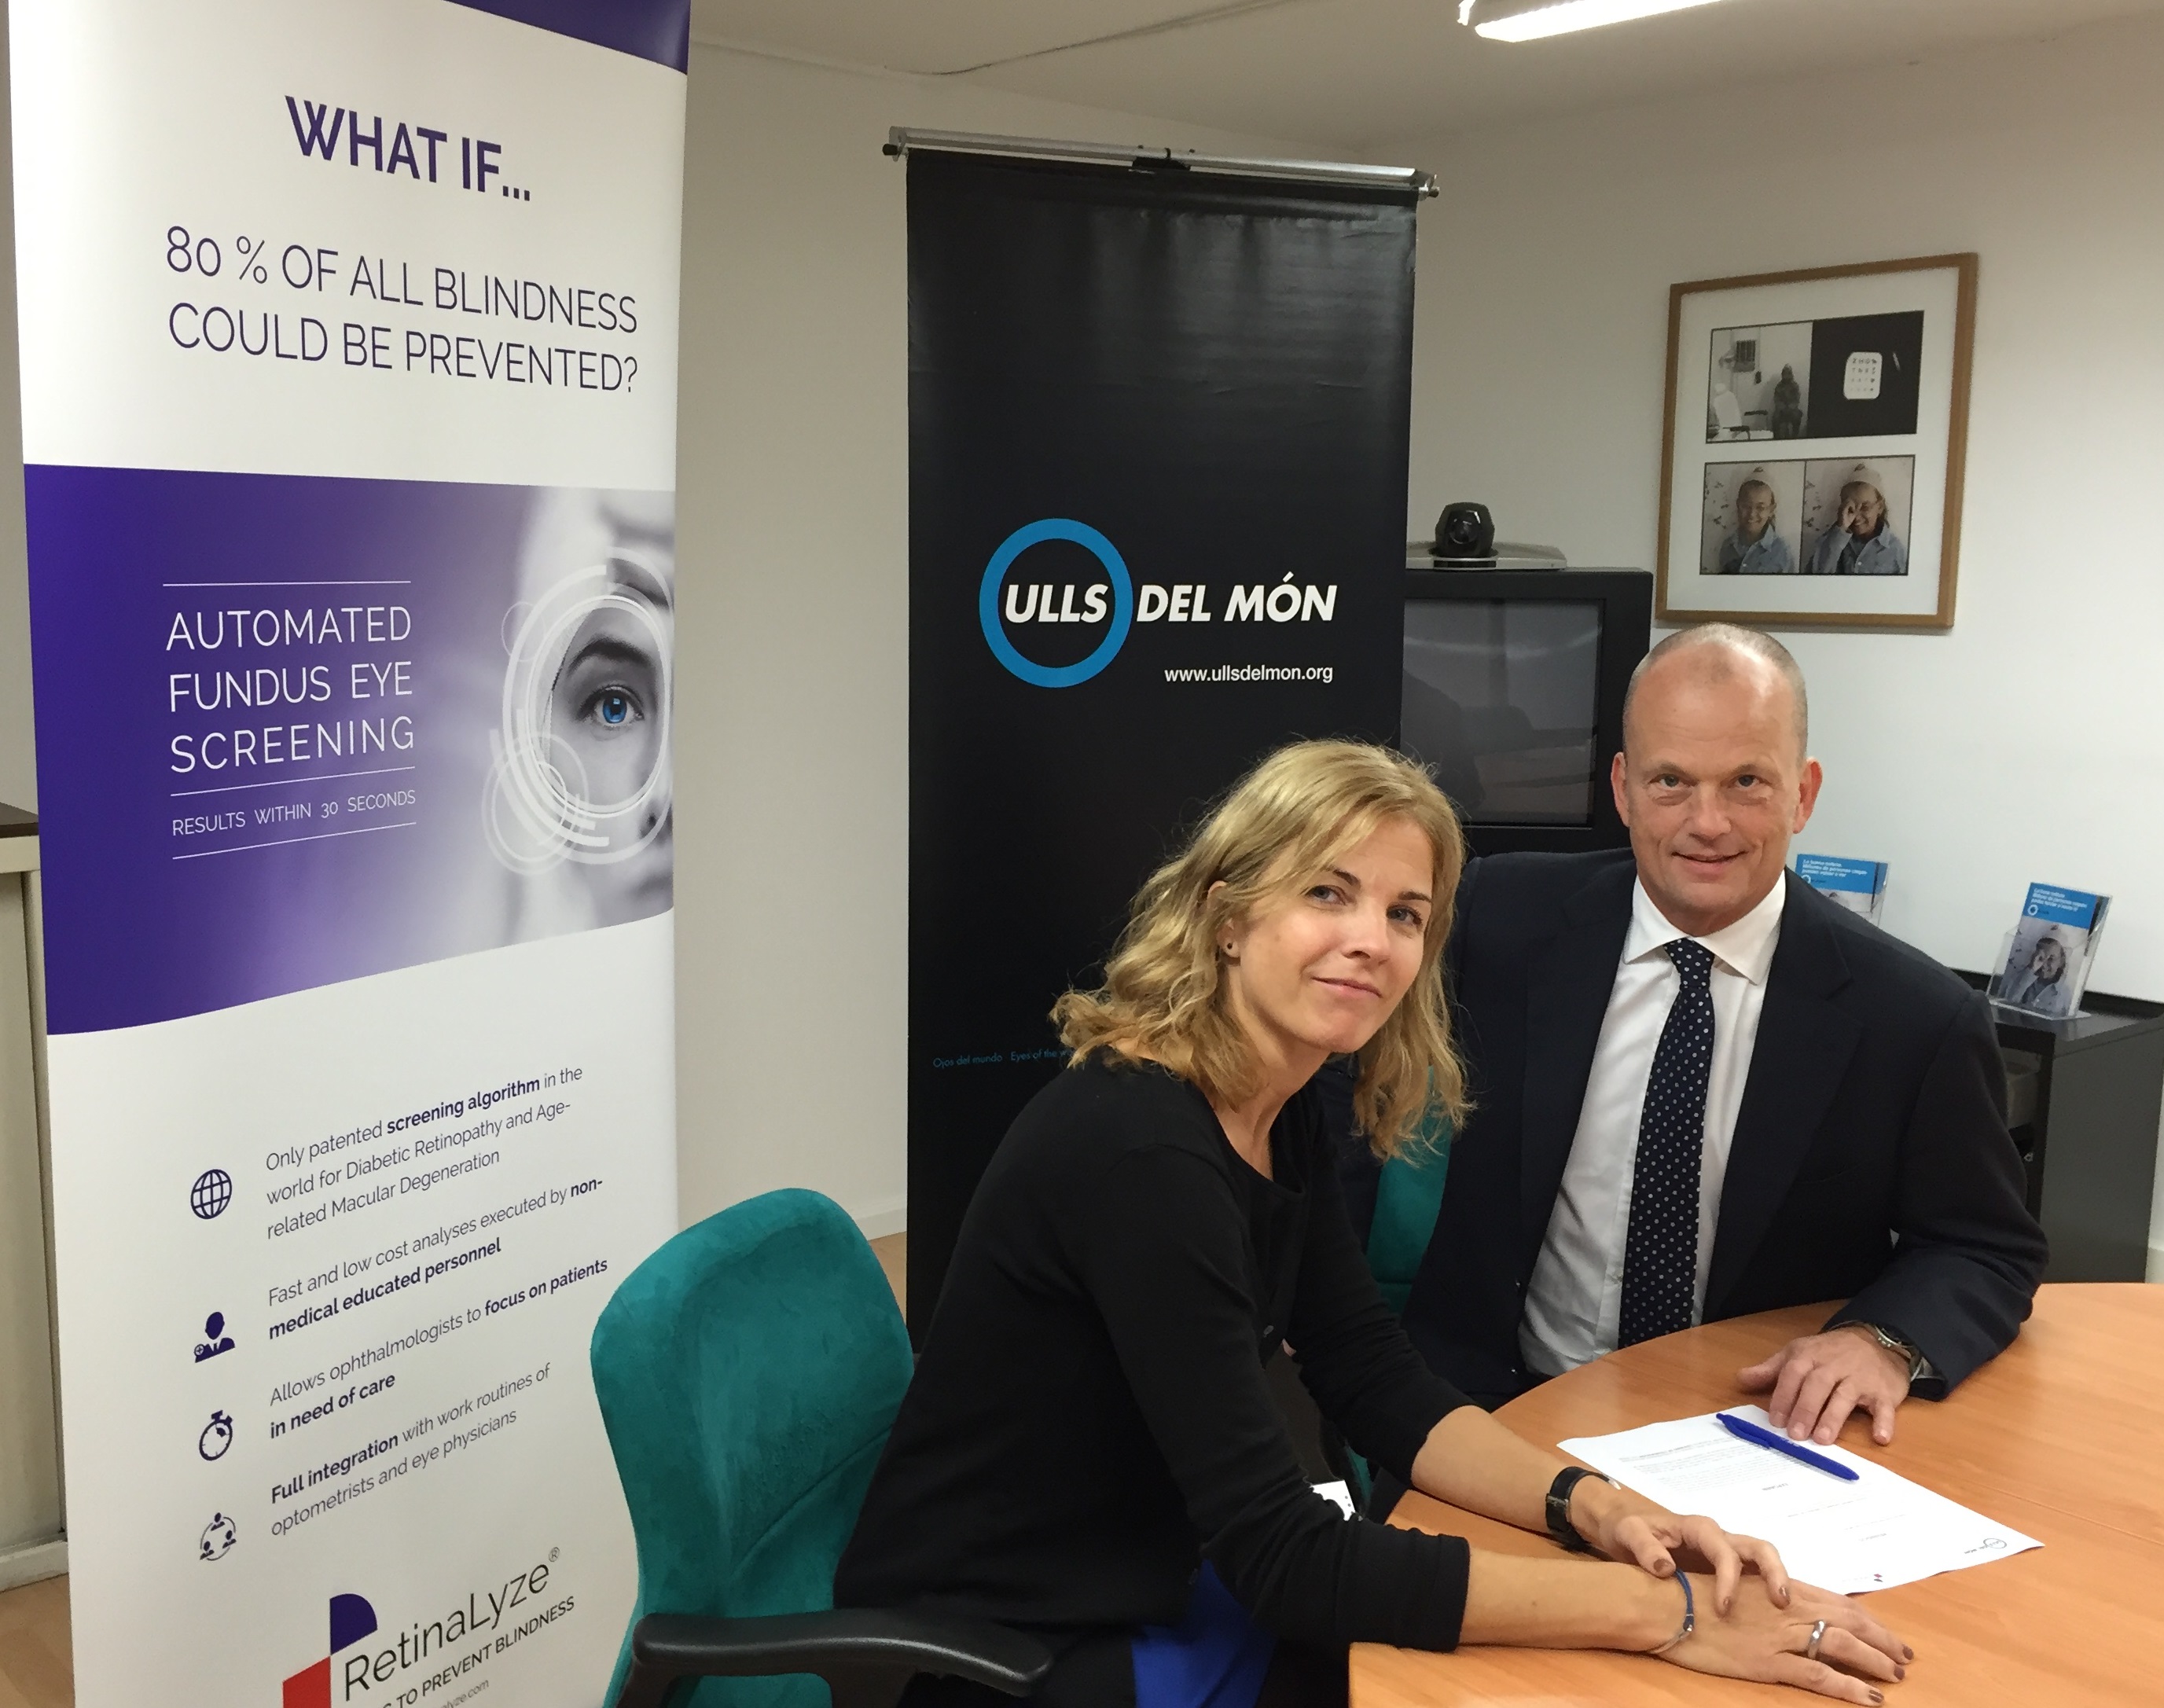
(1818, 1635)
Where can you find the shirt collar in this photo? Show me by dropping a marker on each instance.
(1745, 947)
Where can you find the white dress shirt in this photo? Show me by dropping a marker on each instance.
(1575, 1299)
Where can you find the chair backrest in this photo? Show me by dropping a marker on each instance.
(748, 1372)
(1408, 1199)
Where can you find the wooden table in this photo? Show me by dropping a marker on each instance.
(2062, 1437)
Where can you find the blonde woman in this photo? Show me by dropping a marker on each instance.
(1088, 1449)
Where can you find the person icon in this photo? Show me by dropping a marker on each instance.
(216, 1438)
(215, 1339)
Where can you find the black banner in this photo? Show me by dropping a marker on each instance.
(1157, 440)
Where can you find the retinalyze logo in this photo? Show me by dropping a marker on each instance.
(352, 1619)
(486, 1622)
(1054, 602)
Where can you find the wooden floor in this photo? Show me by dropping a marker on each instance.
(894, 1257)
(35, 1670)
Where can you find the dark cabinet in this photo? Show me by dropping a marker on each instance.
(2084, 1099)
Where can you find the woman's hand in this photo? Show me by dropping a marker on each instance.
(1627, 1526)
(1765, 1642)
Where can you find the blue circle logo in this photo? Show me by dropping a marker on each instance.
(995, 574)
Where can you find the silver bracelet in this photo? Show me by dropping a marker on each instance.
(1690, 1617)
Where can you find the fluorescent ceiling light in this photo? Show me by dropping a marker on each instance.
(1529, 20)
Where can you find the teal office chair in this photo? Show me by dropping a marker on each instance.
(1408, 1199)
(748, 1372)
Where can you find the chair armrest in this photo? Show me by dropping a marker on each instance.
(852, 1646)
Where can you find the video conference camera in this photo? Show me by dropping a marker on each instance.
(1464, 531)
(1465, 540)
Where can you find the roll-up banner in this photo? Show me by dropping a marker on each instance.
(1158, 450)
(349, 358)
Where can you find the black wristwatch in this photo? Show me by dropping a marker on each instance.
(1559, 1492)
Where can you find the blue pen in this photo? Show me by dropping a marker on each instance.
(1780, 1443)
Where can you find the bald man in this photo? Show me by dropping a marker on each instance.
(1702, 1090)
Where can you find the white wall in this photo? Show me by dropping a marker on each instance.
(793, 658)
(2029, 742)
(19, 781)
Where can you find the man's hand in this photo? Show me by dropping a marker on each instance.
(1818, 1380)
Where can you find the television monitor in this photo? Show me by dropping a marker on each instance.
(1513, 697)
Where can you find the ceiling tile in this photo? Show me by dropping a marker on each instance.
(1345, 74)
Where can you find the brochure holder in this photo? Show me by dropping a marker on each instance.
(1858, 885)
(2044, 962)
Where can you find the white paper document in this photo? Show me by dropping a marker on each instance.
(1871, 1534)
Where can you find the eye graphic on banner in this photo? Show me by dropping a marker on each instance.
(1055, 602)
(581, 770)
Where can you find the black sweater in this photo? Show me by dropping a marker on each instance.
(1090, 1419)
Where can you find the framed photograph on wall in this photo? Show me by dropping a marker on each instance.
(1817, 426)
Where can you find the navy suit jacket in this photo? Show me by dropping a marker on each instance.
(1871, 1161)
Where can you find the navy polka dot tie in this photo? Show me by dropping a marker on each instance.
(1660, 1254)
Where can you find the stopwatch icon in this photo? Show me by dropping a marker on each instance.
(217, 1436)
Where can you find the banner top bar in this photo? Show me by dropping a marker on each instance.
(901, 140)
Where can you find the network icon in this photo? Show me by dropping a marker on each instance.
(218, 1538)
(210, 1194)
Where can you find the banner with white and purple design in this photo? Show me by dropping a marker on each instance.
(348, 359)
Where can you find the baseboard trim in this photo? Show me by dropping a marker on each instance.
(30, 1565)
(881, 1221)
(2156, 1263)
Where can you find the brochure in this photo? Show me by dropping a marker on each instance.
(2044, 966)
(1859, 885)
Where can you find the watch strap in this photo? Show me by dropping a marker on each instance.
(1559, 1507)
(1895, 1342)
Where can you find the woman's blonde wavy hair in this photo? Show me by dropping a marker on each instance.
(1285, 823)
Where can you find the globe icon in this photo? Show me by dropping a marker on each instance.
(212, 1192)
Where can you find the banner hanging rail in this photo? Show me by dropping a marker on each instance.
(901, 140)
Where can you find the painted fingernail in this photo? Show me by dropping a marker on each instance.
(1876, 1699)
(1907, 1653)
(1900, 1674)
